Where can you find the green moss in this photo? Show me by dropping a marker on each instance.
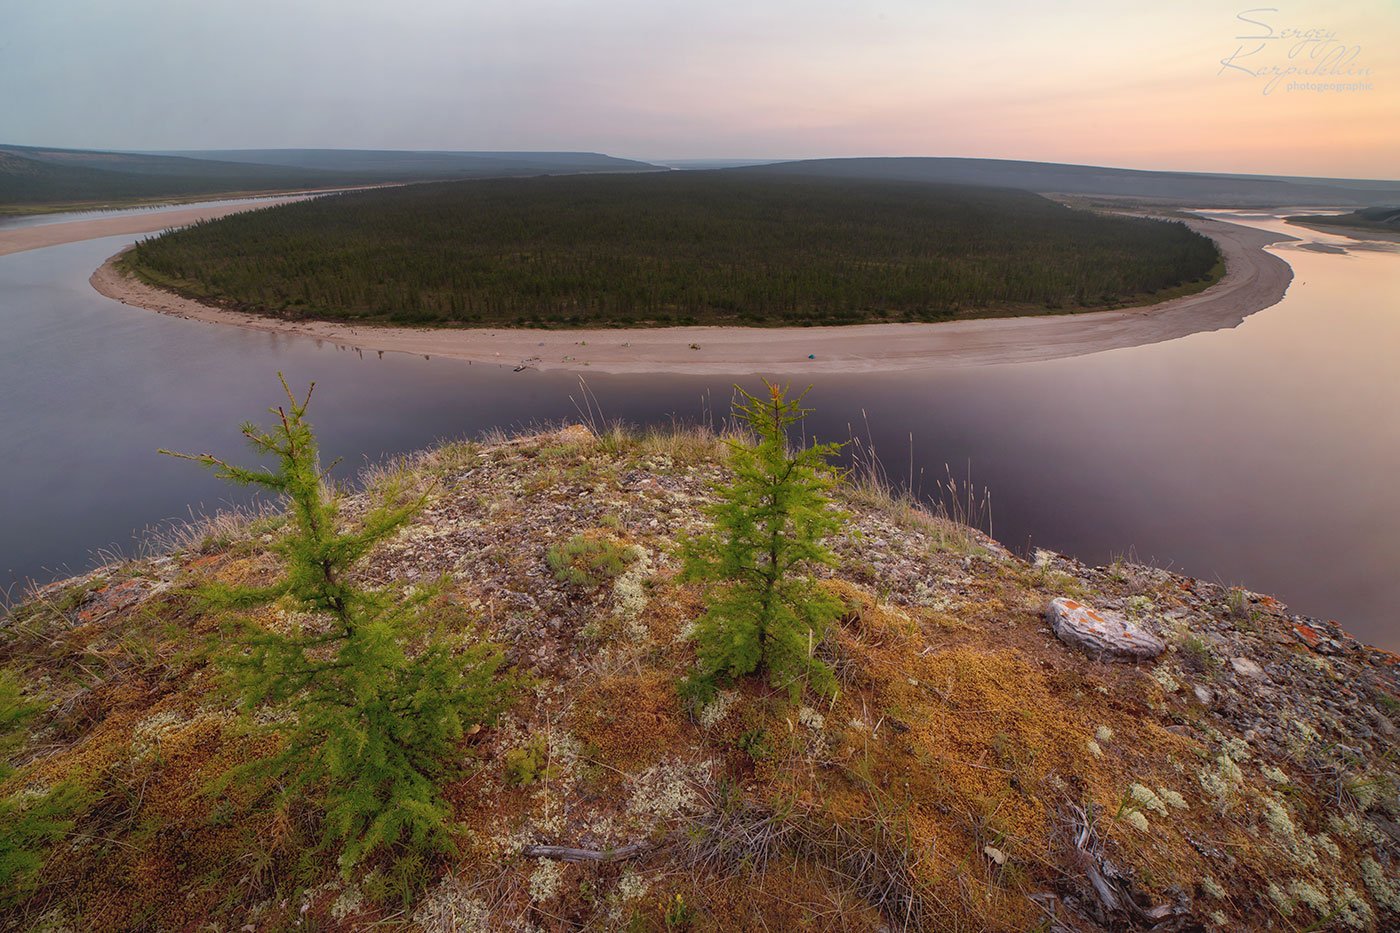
(526, 764)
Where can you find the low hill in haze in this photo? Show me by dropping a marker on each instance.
(42, 178)
(1199, 189)
(55, 176)
(439, 165)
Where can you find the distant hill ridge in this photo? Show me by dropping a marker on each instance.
(427, 163)
(38, 176)
(1199, 189)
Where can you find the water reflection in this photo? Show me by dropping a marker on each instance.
(1264, 455)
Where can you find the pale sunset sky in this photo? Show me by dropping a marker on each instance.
(1107, 83)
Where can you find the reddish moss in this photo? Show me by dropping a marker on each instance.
(632, 719)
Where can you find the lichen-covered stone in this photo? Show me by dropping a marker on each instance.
(1100, 632)
(1244, 667)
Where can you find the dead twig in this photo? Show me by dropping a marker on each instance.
(568, 854)
(1113, 889)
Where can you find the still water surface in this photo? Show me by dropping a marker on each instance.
(1267, 455)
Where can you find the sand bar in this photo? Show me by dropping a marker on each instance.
(20, 239)
(151, 219)
(1254, 279)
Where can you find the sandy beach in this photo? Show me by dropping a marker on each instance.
(1254, 280)
(19, 239)
(151, 220)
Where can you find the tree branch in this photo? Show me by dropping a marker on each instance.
(567, 854)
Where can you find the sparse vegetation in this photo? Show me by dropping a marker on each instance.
(1196, 654)
(676, 248)
(948, 785)
(586, 560)
(676, 913)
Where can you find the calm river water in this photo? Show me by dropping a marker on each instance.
(1267, 455)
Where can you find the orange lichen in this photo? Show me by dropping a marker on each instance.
(786, 896)
(1308, 634)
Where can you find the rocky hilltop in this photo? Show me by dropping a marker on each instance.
(980, 768)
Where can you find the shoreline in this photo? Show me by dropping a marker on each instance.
(151, 219)
(1355, 233)
(41, 236)
(101, 206)
(1254, 280)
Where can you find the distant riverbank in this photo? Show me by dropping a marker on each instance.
(134, 218)
(1254, 280)
(38, 236)
(1355, 231)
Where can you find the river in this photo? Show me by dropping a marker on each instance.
(1266, 455)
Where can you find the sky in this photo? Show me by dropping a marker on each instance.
(1302, 88)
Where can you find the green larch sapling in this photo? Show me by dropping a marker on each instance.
(367, 695)
(769, 529)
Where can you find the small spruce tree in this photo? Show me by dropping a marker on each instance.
(369, 700)
(769, 526)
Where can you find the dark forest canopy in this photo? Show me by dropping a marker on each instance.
(676, 248)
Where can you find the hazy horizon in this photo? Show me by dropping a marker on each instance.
(1159, 89)
(673, 162)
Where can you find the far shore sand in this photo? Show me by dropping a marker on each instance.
(1355, 233)
(38, 236)
(1254, 280)
(151, 219)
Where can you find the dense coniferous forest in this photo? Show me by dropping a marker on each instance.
(675, 248)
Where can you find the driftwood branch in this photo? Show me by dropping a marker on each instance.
(567, 854)
(1112, 887)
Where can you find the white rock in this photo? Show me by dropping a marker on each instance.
(1247, 668)
(1102, 633)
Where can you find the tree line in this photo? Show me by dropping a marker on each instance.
(674, 248)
